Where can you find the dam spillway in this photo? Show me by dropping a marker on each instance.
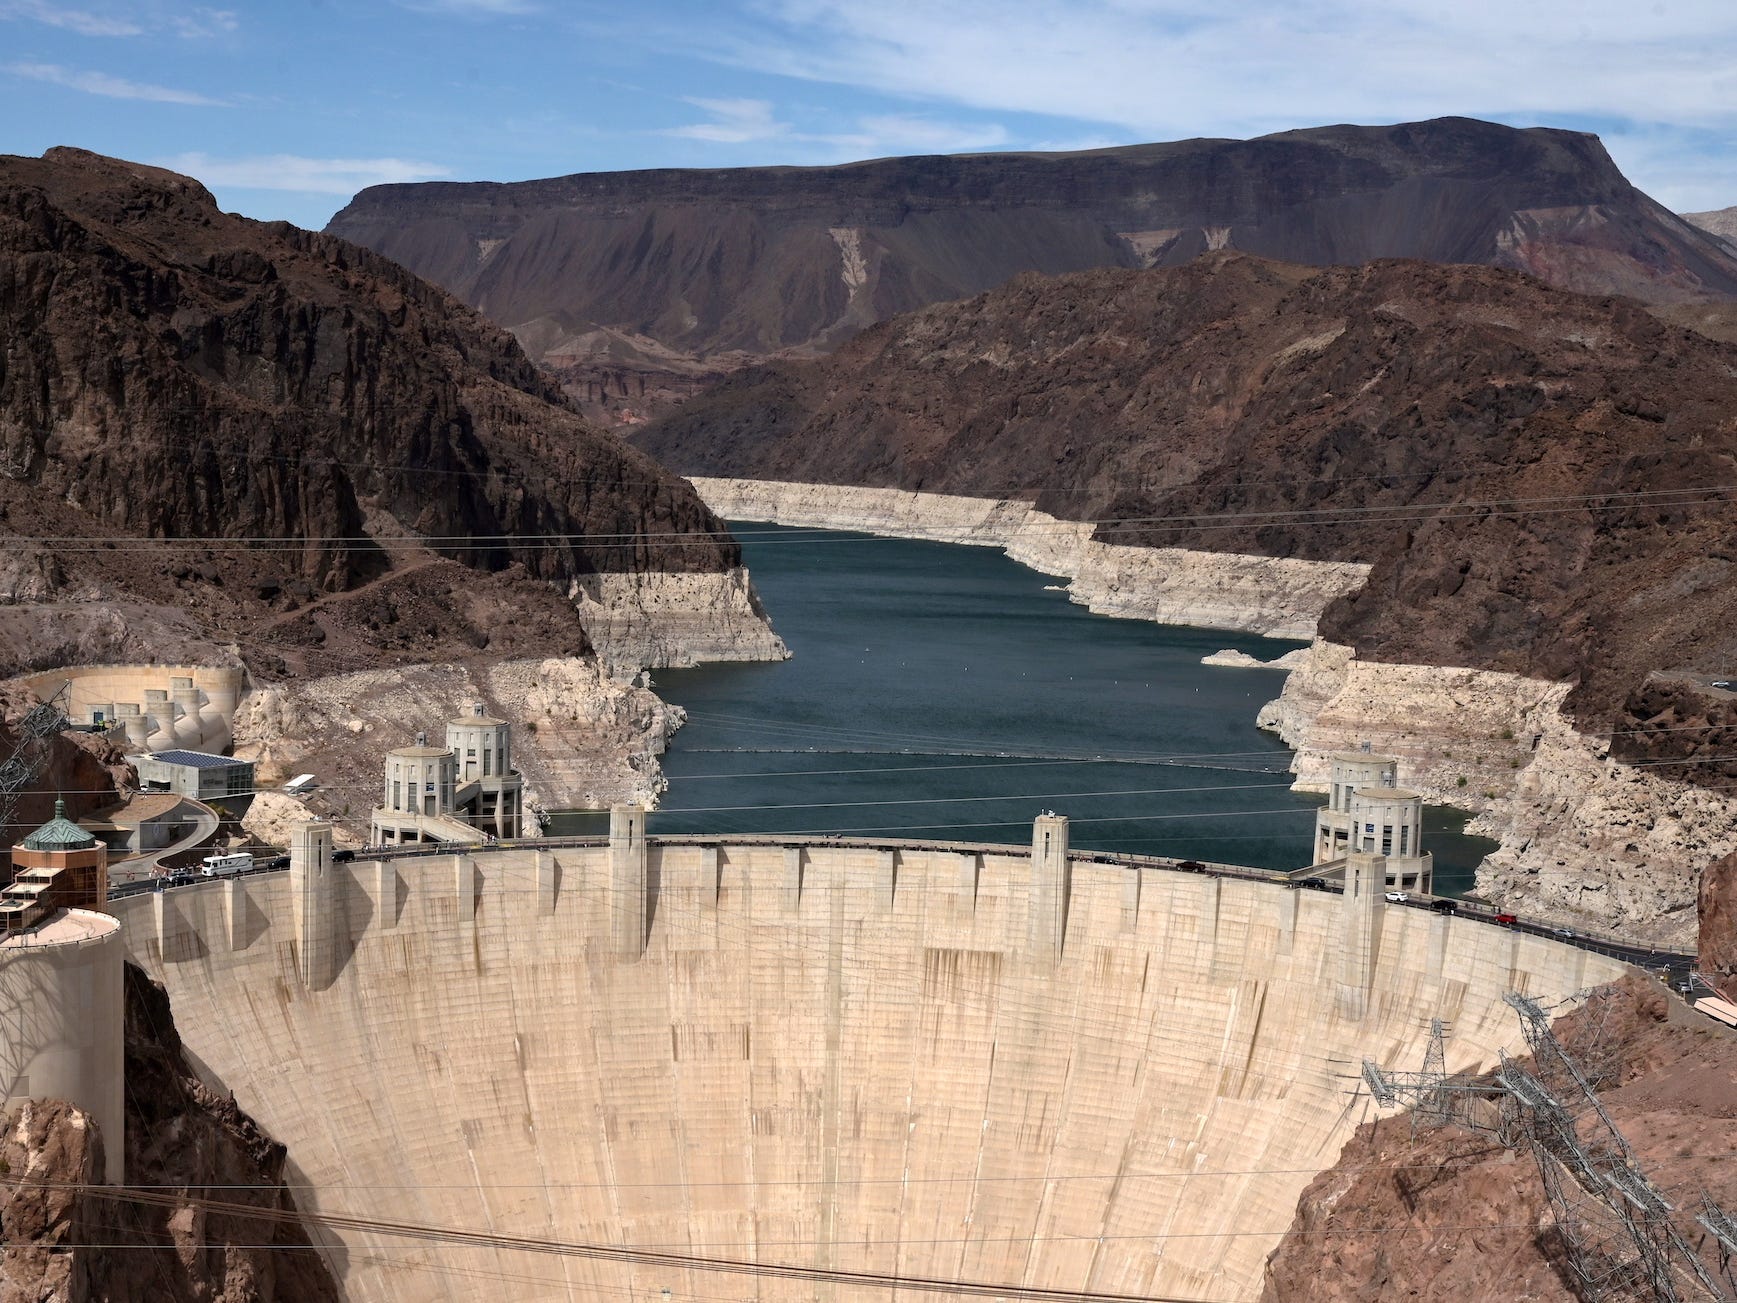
(862, 1057)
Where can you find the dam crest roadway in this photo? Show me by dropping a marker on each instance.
(1030, 1068)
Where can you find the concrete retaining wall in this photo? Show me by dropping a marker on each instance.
(848, 1056)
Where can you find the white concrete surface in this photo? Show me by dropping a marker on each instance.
(61, 1009)
(836, 1055)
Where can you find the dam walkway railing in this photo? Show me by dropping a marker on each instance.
(1676, 963)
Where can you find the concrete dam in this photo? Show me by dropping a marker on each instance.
(1023, 1070)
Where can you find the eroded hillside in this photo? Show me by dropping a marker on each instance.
(635, 287)
(1451, 1214)
(1540, 480)
(370, 468)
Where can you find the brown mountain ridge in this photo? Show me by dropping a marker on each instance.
(1540, 479)
(633, 286)
(308, 410)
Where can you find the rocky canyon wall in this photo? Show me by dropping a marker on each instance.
(655, 619)
(581, 737)
(1276, 597)
(1584, 839)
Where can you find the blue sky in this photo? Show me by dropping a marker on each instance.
(285, 109)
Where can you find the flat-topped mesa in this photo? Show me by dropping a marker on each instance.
(757, 260)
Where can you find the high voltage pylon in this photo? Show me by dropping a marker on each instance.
(1617, 1229)
(29, 754)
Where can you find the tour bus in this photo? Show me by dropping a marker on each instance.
(223, 866)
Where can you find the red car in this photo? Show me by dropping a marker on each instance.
(1506, 918)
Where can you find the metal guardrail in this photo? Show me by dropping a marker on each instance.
(1599, 943)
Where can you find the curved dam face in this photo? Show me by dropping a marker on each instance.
(855, 1058)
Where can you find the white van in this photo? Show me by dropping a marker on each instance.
(223, 866)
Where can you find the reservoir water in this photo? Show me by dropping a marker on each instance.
(945, 691)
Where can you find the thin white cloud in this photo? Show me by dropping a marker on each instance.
(101, 83)
(1168, 68)
(202, 23)
(198, 23)
(472, 8)
(753, 121)
(82, 21)
(321, 176)
(734, 122)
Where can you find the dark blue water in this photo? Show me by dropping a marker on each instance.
(942, 691)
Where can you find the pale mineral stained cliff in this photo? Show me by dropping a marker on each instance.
(582, 738)
(1277, 597)
(585, 736)
(273, 816)
(654, 619)
(1584, 839)
(1231, 658)
(1461, 736)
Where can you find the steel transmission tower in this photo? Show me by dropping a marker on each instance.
(29, 753)
(1617, 1230)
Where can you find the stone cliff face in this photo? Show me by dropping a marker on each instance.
(1460, 1217)
(241, 379)
(1718, 917)
(625, 279)
(218, 431)
(1721, 222)
(66, 1244)
(1585, 839)
(1531, 475)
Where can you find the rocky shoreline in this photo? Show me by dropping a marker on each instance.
(1584, 840)
(1272, 596)
(586, 734)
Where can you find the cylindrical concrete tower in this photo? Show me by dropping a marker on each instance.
(482, 750)
(137, 726)
(160, 732)
(481, 745)
(1386, 821)
(1351, 770)
(419, 780)
(62, 981)
(1348, 771)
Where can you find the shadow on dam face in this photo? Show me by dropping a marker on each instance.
(857, 1059)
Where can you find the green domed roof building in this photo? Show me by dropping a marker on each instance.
(59, 834)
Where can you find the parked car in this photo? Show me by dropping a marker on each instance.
(1444, 906)
(1506, 918)
(1315, 884)
(1397, 897)
(1192, 866)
